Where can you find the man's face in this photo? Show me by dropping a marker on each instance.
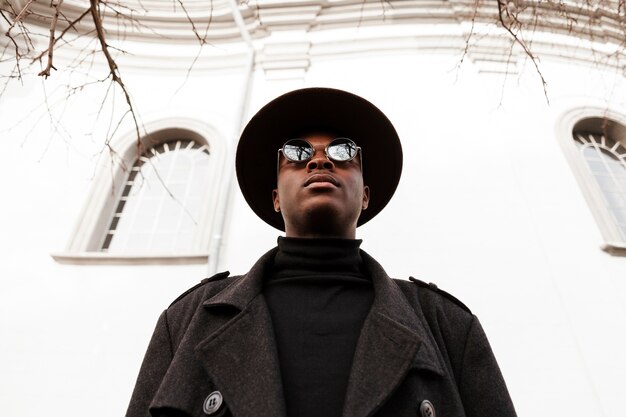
(320, 197)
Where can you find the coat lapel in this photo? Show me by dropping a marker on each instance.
(240, 356)
(392, 341)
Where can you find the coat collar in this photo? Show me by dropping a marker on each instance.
(241, 356)
(243, 290)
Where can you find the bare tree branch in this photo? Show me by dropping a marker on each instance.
(20, 16)
(471, 33)
(72, 25)
(113, 69)
(23, 30)
(502, 9)
(5, 17)
(53, 26)
(202, 40)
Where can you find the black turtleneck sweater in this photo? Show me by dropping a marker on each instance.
(318, 295)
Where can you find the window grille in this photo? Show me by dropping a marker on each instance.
(161, 200)
(606, 160)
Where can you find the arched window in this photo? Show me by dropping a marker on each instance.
(601, 169)
(158, 207)
(605, 158)
(161, 201)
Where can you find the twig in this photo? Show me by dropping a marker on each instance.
(18, 21)
(20, 15)
(516, 39)
(471, 33)
(193, 26)
(8, 80)
(4, 16)
(17, 57)
(113, 69)
(208, 25)
(71, 25)
(53, 26)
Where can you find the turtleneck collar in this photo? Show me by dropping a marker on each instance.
(313, 258)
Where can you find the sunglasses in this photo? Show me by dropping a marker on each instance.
(338, 150)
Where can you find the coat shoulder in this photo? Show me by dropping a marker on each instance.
(181, 311)
(431, 294)
(199, 287)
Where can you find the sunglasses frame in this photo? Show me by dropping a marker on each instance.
(281, 150)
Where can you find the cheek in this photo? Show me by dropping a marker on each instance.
(285, 190)
(356, 187)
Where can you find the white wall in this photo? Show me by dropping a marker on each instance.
(487, 208)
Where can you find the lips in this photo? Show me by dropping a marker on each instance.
(321, 178)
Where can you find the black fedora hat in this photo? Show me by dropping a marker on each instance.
(317, 109)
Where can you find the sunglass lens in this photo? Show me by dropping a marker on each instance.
(342, 149)
(297, 150)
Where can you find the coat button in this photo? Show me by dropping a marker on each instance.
(212, 403)
(427, 409)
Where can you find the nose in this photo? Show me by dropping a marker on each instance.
(320, 161)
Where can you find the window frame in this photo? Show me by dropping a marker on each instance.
(86, 239)
(588, 118)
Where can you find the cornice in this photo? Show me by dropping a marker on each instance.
(286, 34)
(161, 21)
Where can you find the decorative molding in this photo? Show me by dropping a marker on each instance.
(98, 258)
(285, 60)
(615, 249)
(163, 22)
(589, 35)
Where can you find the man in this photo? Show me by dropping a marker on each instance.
(316, 327)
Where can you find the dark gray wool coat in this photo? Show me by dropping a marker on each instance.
(417, 343)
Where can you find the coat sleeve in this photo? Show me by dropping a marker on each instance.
(482, 387)
(153, 369)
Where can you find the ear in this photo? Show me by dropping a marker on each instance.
(366, 197)
(276, 200)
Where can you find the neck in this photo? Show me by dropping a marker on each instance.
(321, 231)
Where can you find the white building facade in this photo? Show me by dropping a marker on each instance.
(512, 198)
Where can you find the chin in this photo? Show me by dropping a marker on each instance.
(329, 217)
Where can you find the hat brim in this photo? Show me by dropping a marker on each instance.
(317, 109)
